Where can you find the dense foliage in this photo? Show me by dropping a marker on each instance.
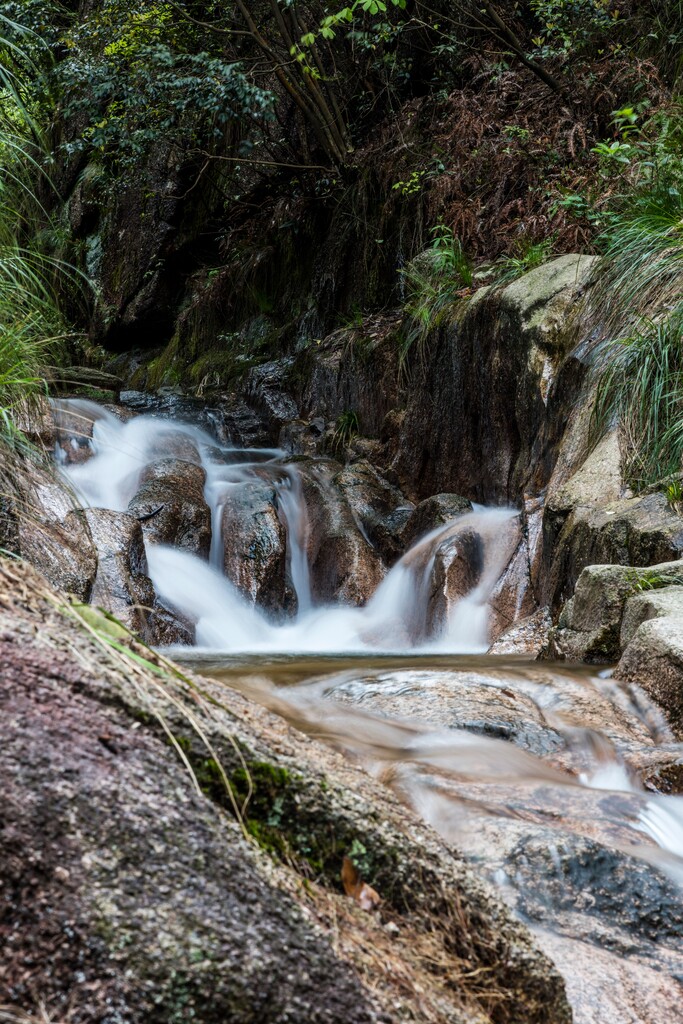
(32, 328)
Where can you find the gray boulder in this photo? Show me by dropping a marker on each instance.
(590, 625)
(642, 531)
(654, 660)
(666, 602)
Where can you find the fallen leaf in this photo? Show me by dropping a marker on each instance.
(356, 888)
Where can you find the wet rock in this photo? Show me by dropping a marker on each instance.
(513, 598)
(240, 423)
(122, 586)
(654, 660)
(153, 891)
(175, 444)
(472, 701)
(432, 512)
(255, 545)
(74, 424)
(165, 628)
(344, 567)
(529, 636)
(380, 510)
(590, 626)
(264, 390)
(61, 550)
(575, 875)
(171, 508)
(457, 569)
(302, 437)
(552, 715)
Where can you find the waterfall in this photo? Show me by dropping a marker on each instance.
(396, 618)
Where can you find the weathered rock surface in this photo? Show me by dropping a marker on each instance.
(171, 507)
(590, 625)
(141, 899)
(62, 550)
(484, 419)
(122, 586)
(265, 389)
(75, 379)
(666, 602)
(640, 531)
(355, 369)
(255, 545)
(528, 636)
(654, 660)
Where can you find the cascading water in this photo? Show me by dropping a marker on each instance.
(535, 772)
(200, 592)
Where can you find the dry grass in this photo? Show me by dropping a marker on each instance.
(41, 1015)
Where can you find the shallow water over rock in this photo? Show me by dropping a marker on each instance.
(546, 778)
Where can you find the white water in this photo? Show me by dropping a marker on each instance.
(392, 619)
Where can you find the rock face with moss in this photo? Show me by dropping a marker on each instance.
(494, 390)
(132, 893)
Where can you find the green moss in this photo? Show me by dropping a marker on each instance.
(96, 394)
(292, 818)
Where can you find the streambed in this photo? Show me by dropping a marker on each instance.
(556, 782)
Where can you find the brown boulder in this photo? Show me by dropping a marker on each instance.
(344, 567)
(432, 512)
(379, 508)
(457, 569)
(255, 545)
(171, 507)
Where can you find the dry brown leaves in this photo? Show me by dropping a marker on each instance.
(354, 886)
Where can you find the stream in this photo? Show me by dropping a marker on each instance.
(555, 781)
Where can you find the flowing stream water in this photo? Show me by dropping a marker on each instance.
(544, 775)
